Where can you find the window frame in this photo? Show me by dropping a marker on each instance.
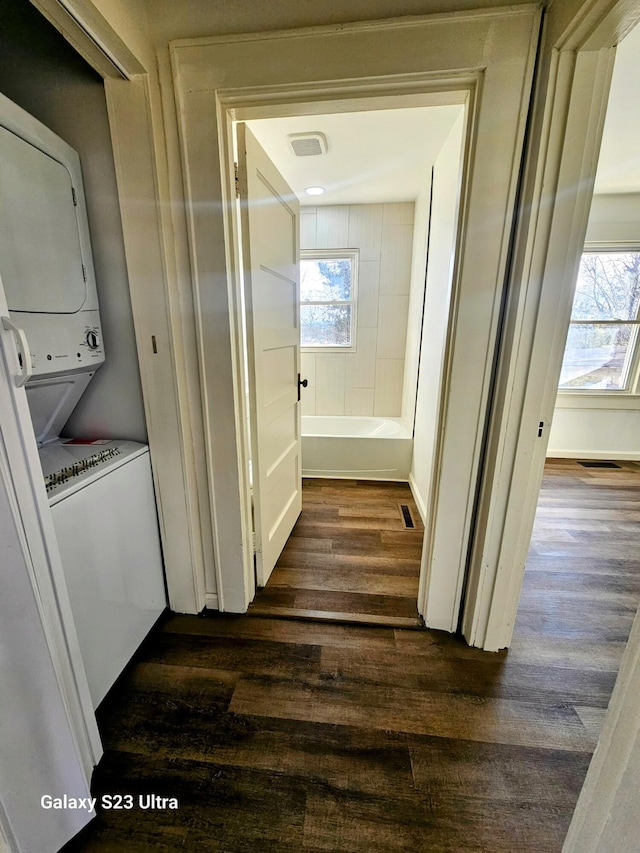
(329, 254)
(633, 371)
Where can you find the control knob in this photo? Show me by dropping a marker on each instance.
(93, 341)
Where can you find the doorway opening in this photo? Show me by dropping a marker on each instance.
(375, 196)
(582, 580)
(316, 81)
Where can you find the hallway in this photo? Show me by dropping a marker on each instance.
(285, 735)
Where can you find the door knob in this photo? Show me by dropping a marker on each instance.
(303, 383)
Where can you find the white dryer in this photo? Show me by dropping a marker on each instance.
(100, 493)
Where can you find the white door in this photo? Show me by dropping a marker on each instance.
(270, 226)
(49, 741)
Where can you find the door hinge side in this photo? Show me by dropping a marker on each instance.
(84, 272)
(73, 196)
(235, 166)
(540, 429)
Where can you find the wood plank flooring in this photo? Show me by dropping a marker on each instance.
(350, 557)
(284, 735)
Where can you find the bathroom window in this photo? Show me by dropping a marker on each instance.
(602, 345)
(328, 288)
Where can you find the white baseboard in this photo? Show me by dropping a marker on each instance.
(622, 455)
(314, 474)
(211, 601)
(415, 491)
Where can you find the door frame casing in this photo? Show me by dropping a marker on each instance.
(558, 189)
(487, 47)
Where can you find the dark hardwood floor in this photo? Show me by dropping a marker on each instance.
(285, 735)
(350, 557)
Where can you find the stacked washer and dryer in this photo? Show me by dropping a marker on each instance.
(100, 490)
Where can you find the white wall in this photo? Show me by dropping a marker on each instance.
(41, 73)
(368, 381)
(444, 212)
(601, 426)
(614, 219)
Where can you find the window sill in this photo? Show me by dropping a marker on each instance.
(327, 350)
(612, 400)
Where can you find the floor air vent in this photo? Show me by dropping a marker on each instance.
(597, 464)
(406, 516)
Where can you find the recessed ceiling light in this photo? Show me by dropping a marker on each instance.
(314, 190)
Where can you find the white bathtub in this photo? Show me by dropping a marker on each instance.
(355, 447)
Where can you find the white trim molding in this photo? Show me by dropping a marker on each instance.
(93, 36)
(565, 137)
(620, 455)
(166, 401)
(490, 53)
(417, 496)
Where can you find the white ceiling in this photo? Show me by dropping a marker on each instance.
(374, 156)
(385, 155)
(619, 163)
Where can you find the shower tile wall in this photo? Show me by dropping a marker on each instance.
(368, 381)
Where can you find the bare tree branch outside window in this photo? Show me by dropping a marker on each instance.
(326, 301)
(604, 322)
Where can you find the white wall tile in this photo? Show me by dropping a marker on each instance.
(361, 365)
(365, 230)
(370, 380)
(392, 331)
(308, 367)
(398, 213)
(359, 401)
(308, 228)
(330, 382)
(395, 258)
(332, 227)
(308, 400)
(368, 287)
(388, 392)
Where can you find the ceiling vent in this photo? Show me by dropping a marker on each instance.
(307, 144)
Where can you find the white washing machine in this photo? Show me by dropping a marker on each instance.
(103, 507)
(100, 492)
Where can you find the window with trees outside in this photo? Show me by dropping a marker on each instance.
(328, 287)
(601, 350)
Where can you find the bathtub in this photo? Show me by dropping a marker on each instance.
(355, 447)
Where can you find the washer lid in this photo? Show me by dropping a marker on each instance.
(51, 401)
(40, 255)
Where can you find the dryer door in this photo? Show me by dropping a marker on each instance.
(40, 255)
